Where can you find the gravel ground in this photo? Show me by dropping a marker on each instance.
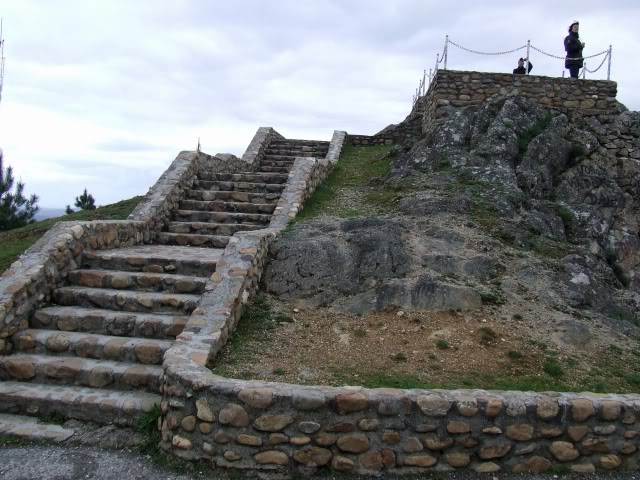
(62, 463)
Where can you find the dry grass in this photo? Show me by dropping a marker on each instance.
(483, 350)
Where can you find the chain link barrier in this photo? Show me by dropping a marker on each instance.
(422, 88)
(599, 66)
(565, 58)
(486, 53)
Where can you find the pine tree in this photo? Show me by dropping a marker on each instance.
(85, 201)
(15, 209)
(68, 210)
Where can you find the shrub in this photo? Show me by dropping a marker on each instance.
(399, 357)
(553, 368)
(513, 355)
(487, 335)
(442, 344)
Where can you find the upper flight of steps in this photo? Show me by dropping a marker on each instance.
(96, 353)
(220, 204)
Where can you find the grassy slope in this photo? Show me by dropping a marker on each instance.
(348, 191)
(15, 242)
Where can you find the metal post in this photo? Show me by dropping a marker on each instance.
(437, 62)
(562, 73)
(446, 52)
(609, 65)
(424, 81)
(526, 60)
(430, 78)
(584, 71)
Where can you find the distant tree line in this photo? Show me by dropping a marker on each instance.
(16, 210)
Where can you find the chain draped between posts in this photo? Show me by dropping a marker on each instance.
(442, 58)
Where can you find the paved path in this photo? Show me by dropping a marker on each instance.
(71, 463)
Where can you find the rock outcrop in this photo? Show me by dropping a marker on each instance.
(502, 202)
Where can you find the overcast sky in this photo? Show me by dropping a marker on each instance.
(104, 94)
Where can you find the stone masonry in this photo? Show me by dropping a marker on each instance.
(462, 89)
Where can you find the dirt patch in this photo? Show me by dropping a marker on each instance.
(491, 348)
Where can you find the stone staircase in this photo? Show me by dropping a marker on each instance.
(96, 353)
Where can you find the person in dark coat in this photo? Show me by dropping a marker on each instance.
(573, 46)
(520, 70)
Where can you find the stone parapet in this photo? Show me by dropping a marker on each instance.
(260, 142)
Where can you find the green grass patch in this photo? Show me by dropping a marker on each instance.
(569, 221)
(492, 298)
(258, 319)
(14, 242)
(357, 168)
(525, 138)
(552, 367)
(148, 423)
(514, 355)
(442, 344)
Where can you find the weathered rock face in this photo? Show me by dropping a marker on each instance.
(503, 175)
(364, 265)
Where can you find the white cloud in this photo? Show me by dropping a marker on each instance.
(105, 94)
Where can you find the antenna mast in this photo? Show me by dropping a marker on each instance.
(1, 60)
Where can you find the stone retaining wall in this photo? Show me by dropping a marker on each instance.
(461, 89)
(409, 129)
(246, 424)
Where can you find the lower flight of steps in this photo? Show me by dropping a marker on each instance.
(96, 354)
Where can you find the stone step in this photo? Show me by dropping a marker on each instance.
(221, 206)
(267, 169)
(76, 371)
(299, 143)
(247, 177)
(206, 228)
(294, 153)
(101, 406)
(221, 217)
(127, 300)
(148, 351)
(30, 429)
(245, 197)
(212, 241)
(216, 185)
(109, 322)
(155, 258)
(140, 281)
(277, 163)
(279, 158)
